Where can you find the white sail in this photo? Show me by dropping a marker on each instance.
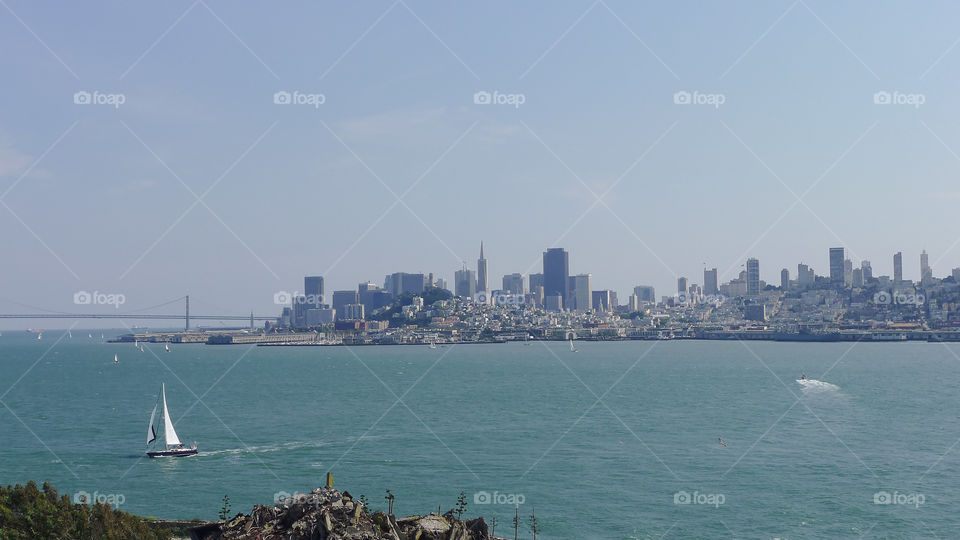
(116, 359)
(169, 433)
(166, 347)
(152, 433)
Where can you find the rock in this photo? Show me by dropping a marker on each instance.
(327, 514)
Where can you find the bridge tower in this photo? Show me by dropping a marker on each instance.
(187, 327)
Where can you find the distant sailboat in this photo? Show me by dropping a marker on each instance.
(172, 447)
(572, 348)
(69, 334)
(141, 348)
(40, 335)
(116, 359)
(433, 345)
(166, 347)
(90, 336)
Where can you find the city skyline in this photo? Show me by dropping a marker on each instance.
(657, 158)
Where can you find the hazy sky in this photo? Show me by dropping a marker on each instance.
(199, 183)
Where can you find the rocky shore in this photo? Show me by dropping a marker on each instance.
(328, 514)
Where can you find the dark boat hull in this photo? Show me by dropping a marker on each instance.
(180, 452)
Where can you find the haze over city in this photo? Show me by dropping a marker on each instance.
(647, 140)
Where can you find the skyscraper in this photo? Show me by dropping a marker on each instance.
(401, 282)
(556, 272)
(785, 279)
(710, 285)
(341, 299)
(926, 273)
(483, 282)
(683, 285)
(313, 290)
(513, 283)
(465, 283)
(847, 272)
(867, 271)
(753, 277)
(836, 265)
(645, 293)
(898, 267)
(582, 294)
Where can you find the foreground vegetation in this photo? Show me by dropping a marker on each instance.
(28, 512)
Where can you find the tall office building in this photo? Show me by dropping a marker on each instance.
(373, 297)
(836, 265)
(399, 283)
(805, 275)
(604, 300)
(556, 272)
(785, 279)
(683, 285)
(313, 290)
(753, 277)
(847, 272)
(867, 271)
(341, 299)
(857, 277)
(710, 284)
(645, 293)
(926, 273)
(465, 283)
(898, 267)
(483, 282)
(513, 283)
(581, 292)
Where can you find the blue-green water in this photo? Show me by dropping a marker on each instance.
(511, 419)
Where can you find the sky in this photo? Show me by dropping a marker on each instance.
(227, 149)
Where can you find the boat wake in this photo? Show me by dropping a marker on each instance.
(264, 449)
(813, 385)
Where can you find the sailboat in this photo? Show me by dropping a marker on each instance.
(90, 336)
(172, 446)
(69, 334)
(166, 347)
(116, 359)
(141, 348)
(40, 335)
(572, 348)
(433, 344)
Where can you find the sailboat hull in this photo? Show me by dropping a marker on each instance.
(177, 452)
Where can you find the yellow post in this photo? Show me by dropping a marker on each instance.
(330, 480)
